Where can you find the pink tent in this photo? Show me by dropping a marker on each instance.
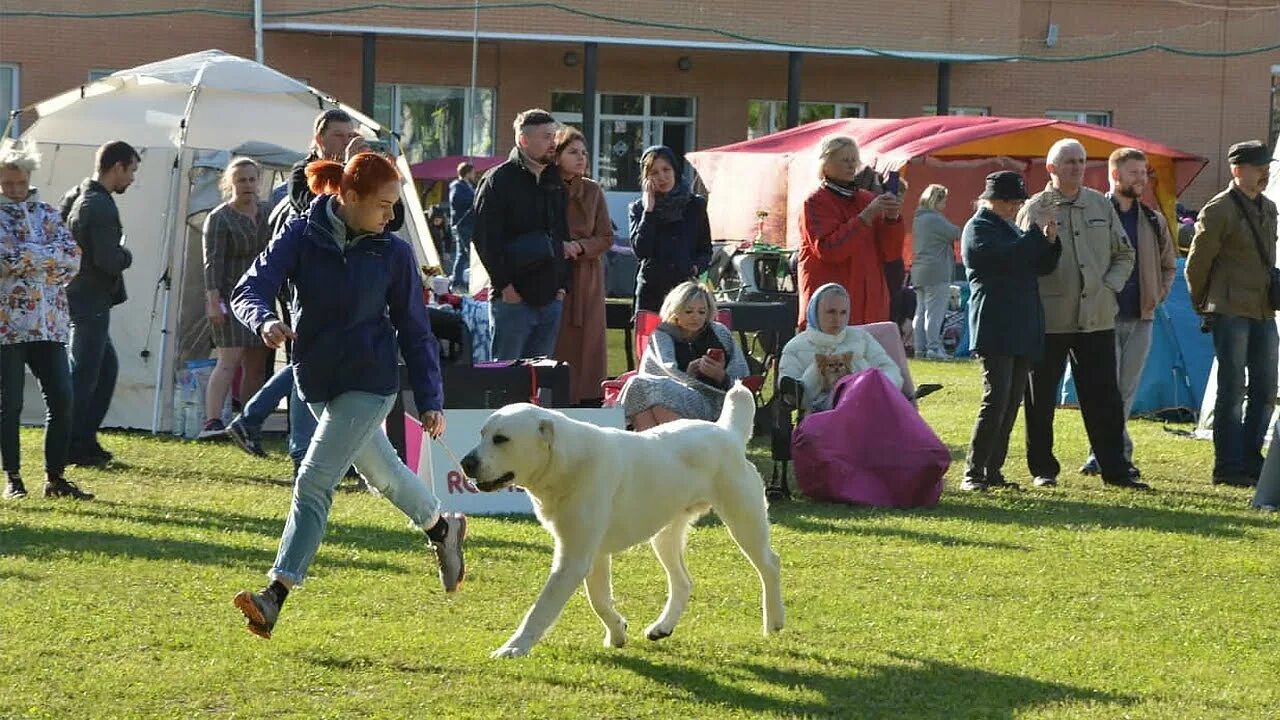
(446, 168)
(775, 173)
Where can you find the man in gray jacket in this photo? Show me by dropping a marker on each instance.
(94, 221)
(1080, 318)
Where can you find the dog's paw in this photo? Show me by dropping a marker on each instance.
(657, 631)
(509, 651)
(616, 638)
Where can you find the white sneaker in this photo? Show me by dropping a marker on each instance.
(1045, 481)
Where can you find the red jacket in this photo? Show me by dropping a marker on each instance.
(837, 246)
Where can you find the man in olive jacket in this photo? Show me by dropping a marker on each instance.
(1228, 273)
(94, 221)
(1080, 318)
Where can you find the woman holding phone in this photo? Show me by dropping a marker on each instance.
(689, 363)
(670, 232)
(847, 235)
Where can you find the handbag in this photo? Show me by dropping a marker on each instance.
(1273, 273)
(529, 250)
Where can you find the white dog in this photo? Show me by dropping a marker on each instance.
(599, 491)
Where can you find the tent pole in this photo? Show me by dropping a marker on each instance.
(167, 276)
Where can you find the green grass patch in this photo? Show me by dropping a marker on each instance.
(1076, 602)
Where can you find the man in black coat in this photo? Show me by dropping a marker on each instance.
(522, 236)
(94, 220)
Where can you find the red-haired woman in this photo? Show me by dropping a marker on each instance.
(357, 298)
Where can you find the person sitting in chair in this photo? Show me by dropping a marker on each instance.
(689, 363)
(829, 348)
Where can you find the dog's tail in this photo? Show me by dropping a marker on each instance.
(738, 414)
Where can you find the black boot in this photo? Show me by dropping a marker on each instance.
(56, 486)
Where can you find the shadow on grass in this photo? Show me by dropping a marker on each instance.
(19, 575)
(43, 542)
(913, 688)
(1031, 510)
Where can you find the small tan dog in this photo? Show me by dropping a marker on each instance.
(830, 369)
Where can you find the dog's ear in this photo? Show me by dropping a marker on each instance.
(547, 429)
(820, 358)
(845, 357)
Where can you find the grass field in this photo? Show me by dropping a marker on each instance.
(1078, 602)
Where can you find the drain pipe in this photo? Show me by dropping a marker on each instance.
(257, 31)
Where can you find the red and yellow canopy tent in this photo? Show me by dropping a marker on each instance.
(775, 173)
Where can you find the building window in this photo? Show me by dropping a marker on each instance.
(626, 125)
(766, 116)
(98, 73)
(435, 122)
(1089, 117)
(9, 96)
(970, 111)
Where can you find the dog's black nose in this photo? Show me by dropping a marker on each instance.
(470, 464)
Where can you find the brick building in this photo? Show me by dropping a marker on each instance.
(697, 75)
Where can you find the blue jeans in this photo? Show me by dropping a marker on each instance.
(523, 331)
(461, 256)
(94, 368)
(1242, 344)
(48, 362)
(349, 431)
(301, 422)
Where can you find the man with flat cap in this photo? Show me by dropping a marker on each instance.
(1229, 273)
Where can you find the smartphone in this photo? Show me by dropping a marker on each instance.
(382, 147)
(891, 182)
(716, 354)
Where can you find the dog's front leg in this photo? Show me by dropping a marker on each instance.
(600, 595)
(568, 569)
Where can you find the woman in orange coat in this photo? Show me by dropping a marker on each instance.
(581, 341)
(847, 234)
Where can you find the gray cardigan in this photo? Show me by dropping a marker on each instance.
(932, 254)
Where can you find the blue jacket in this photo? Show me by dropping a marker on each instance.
(1003, 265)
(350, 310)
(461, 197)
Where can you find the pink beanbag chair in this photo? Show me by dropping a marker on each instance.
(871, 448)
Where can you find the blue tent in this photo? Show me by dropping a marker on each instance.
(1181, 356)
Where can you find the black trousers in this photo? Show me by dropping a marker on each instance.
(1004, 379)
(1093, 367)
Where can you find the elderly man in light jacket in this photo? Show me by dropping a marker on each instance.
(1080, 318)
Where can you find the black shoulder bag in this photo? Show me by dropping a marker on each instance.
(1273, 273)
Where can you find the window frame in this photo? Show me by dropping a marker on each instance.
(958, 111)
(778, 112)
(1081, 116)
(468, 128)
(650, 121)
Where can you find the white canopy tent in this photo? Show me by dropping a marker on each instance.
(185, 116)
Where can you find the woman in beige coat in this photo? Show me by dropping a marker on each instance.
(581, 342)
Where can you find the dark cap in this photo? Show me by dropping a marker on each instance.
(1004, 185)
(1249, 152)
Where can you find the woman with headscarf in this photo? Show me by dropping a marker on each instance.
(847, 235)
(669, 229)
(581, 341)
(829, 333)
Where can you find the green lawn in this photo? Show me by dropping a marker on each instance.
(1079, 602)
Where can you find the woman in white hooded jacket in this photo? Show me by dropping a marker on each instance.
(38, 257)
(829, 333)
